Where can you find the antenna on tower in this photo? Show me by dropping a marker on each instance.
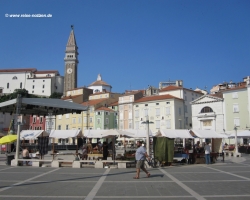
(72, 27)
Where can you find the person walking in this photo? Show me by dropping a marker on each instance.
(140, 157)
(207, 149)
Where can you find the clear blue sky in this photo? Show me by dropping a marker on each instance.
(132, 43)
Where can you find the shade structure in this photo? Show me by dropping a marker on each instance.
(8, 139)
(32, 134)
(106, 133)
(138, 133)
(208, 134)
(241, 134)
(65, 134)
(41, 106)
(177, 133)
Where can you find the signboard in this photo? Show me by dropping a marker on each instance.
(3, 147)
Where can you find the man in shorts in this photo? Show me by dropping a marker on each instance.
(140, 157)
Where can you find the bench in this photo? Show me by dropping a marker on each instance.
(78, 163)
(35, 162)
(58, 163)
(121, 164)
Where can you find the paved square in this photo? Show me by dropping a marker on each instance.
(229, 180)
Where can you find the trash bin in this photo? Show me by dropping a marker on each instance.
(9, 158)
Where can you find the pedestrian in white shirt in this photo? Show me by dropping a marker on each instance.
(207, 149)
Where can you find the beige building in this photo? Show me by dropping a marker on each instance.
(125, 108)
(163, 110)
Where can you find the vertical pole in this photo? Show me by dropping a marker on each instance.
(236, 142)
(148, 143)
(18, 104)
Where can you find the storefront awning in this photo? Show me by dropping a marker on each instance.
(137, 133)
(241, 134)
(65, 134)
(177, 133)
(208, 134)
(32, 134)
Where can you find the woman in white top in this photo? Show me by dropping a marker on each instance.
(207, 149)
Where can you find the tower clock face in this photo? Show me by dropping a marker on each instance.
(69, 70)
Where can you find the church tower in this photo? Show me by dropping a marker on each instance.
(71, 62)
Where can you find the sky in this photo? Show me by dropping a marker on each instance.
(131, 43)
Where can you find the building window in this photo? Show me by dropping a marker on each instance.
(90, 120)
(186, 109)
(236, 121)
(146, 104)
(21, 85)
(42, 91)
(157, 104)
(179, 111)
(73, 120)
(136, 106)
(168, 124)
(33, 80)
(185, 98)
(157, 124)
(157, 111)
(59, 127)
(167, 110)
(107, 120)
(136, 125)
(130, 125)
(85, 120)
(43, 86)
(8, 85)
(67, 127)
(59, 116)
(106, 113)
(33, 91)
(167, 102)
(67, 116)
(34, 119)
(136, 113)
(41, 119)
(206, 110)
(145, 112)
(30, 127)
(33, 87)
(98, 113)
(235, 95)
(186, 120)
(79, 120)
(98, 121)
(14, 78)
(43, 80)
(236, 108)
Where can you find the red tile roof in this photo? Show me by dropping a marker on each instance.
(173, 87)
(105, 109)
(98, 83)
(156, 97)
(19, 70)
(114, 104)
(46, 72)
(93, 102)
(236, 88)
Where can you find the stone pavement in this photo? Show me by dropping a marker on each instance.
(228, 180)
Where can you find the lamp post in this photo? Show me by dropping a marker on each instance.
(236, 142)
(147, 140)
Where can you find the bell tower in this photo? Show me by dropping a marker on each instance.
(71, 63)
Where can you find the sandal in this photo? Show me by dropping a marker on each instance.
(148, 175)
(135, 177)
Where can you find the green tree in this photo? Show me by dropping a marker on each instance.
(56, 95)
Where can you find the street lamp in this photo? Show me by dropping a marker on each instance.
(147, 140)
(236, 142)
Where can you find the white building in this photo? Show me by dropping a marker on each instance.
(187, 95)
(208, 114)
(165, 111)
(99, 85)
(42, 83)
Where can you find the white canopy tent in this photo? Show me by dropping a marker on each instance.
(106, 133)
(208, 134)
(177, 133)
(65, 134)
(137, 133)
(32, 134)
(242, 134)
